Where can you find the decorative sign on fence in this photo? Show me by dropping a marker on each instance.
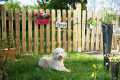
(61, 24)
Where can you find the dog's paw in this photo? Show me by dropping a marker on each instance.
(68, 70)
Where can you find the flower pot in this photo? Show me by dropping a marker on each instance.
(106, 63)
(43, 21)
(114, 70)
(107, 42)
(11, 53)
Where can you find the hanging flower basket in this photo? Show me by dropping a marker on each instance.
(43, 21)
(42, 18)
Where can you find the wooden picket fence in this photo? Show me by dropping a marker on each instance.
(77, 35)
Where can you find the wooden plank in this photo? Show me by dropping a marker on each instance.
(64, 31)
(59, 29)
(93, 33)
(53, 29)
(83, 29)
(23, 31)
(88, 31)
(79, 26)
(35, 34)
(42, 35)
(10, 18)
(29, 31)
(116, 26)
(17, 24)
(97, 30)
(3, 16)
(74, 30)
(101, 41)
(0, 30)
(69, 30)
(48, 35)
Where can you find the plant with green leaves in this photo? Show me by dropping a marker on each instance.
(114, 57)
(109, 16)
(42, 15)
(92, 22)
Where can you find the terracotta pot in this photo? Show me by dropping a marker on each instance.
(11, 53)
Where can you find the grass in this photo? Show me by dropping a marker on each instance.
(25, 67)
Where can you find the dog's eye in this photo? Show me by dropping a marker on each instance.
(57, 53)
(61, 52)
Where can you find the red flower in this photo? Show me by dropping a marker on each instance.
(49, 15)
(35, 14)
(40, 13)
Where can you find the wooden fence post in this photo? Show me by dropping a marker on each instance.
(74, 30)
(29, 31)
(3, 18)
(48, 35)
(97, 31)
(35, 34)
(17, 22)
(58, 29)
(42, 35)
(23, 31)
(93, 33)
(53, 30)
(116, 26)
(79, 26)
(83, 29)
(64, 31)
(69, 30)
(88, 31)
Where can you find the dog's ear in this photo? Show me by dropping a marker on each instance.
(53, 54)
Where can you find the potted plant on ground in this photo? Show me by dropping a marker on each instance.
(107, 28)
(7, 46)
(7, 51)
(114, 59)
(42, 18)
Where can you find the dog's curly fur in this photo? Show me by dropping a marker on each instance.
(56, 62)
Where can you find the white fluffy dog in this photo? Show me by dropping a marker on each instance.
(56, 62)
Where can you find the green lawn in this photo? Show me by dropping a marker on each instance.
(25, 67)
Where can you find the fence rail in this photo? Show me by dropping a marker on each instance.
(44, 38)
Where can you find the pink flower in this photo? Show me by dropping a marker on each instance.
(49, 15)
(40, 13)
(35, 14)
(118, 13)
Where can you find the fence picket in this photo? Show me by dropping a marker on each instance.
(69, 30)
(79, 26)
(116, 26)
(42, 35)
(83, 29)
(97, 31)
(93, 33)
(74, 30)
(53, 30)
(35, 34)
(64, 31)
(10, 15)
(59, 29)
(88, 31)
(48, 35)
(23, 31)
(101, 41)
(3, 18)
(17, 22)
(29, 31)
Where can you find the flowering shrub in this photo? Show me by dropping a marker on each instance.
(109, 16)
(42, 15)
(114, 57)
